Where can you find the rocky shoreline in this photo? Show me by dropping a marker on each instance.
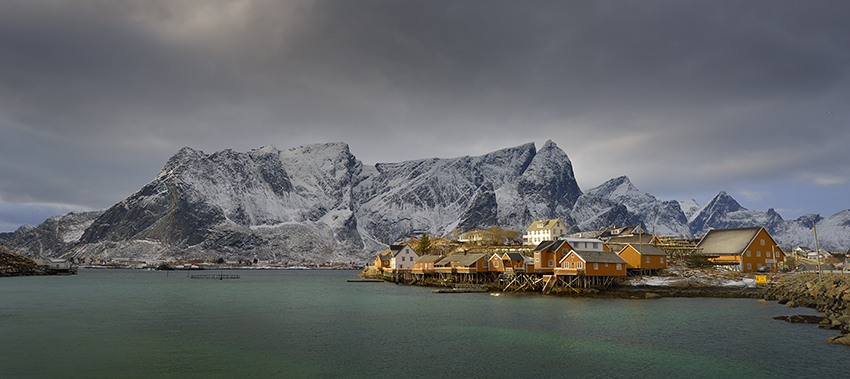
(829, 294)
(13, 264)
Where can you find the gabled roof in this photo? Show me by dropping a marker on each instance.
(727, 241)
(618, 230)
(549, 246)
(597, 256)
(428, 258)
(633, 239)
(645, 249)
(513, 256)
(396, 249)
(543, 224)
(461, 259)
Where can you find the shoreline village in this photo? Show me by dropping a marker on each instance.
(625, 262)
(549, 258)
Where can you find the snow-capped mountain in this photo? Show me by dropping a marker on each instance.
(665, 217)
(318, 203)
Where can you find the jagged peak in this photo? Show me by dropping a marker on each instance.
(267, 149)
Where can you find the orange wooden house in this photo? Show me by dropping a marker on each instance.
(548, 253)
(425, 264)
(591, 263)
(643, 258)
(748, 249)
(507, 262)
(463, 264)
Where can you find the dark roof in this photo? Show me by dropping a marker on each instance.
(395, 249)
(514, 256)
(618, 230)
(727, 241)
(550, 246)
(646, 249)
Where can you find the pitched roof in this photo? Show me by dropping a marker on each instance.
(645, 249)
(632, 239)
(618, 230)
(395, 249)
(727, 241)
(550, 246)
(461, 259)
(429, 258)
(513, 256)
(599, 256)
(543, 224)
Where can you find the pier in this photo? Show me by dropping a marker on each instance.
(219, 277)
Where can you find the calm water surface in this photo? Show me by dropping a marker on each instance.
(314, 324)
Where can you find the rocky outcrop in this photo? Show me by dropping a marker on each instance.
(830, 295)
(13, 264)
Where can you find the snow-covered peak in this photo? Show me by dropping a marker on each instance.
(689, 207)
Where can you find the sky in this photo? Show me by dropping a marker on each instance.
(686, 98)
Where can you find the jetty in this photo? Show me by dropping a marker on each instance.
(219, 277)
(467, 288)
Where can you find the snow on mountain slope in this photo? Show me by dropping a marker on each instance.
(317, 203)
(665, 218)
(688, 207)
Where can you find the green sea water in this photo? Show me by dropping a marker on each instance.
(314, 324)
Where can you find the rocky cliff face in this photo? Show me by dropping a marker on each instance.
(54, 236)
(666, 217)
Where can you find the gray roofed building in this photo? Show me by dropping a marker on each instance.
(727, 241)
(646, 249)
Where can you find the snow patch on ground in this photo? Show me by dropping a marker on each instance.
(679, 276)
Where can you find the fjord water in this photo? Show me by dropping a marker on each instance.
(314, 324)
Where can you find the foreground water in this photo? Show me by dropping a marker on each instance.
(314, 324)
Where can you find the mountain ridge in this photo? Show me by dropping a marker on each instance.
(317, 203)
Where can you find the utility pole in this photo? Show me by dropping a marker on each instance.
(817, 250)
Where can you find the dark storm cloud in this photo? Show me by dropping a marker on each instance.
(680, 96)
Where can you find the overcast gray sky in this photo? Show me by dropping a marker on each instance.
(687, 98)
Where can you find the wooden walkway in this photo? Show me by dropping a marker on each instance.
(219, 277)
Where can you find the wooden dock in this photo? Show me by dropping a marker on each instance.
(219, 277)
(462, 289)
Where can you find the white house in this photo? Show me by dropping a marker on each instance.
(544, 230)
(403, 257)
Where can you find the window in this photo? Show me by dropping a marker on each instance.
(486, 265)
(619, 266)
(758, 253)
(537, 260)
(762, 242)
(758, 265)
(767, 254)
(647, 260)
(662, 259)
(578, 265)
(749, 266)
(596, 245)
(596, 266)
(551, 263)
(748, 253)
(495, 263)
(402, 258)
